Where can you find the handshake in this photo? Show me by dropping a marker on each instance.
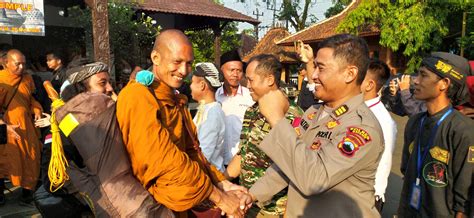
(233, 200)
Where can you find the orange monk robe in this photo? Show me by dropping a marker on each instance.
(161, 152)
(20, 159)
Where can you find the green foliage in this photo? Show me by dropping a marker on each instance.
(468, 43)
(290, 11)
(127, 35)
(203, 42)
(414, 27)
(337, 7)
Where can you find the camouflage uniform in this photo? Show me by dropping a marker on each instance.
(254, 161)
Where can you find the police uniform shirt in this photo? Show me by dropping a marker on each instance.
(328, 163)
(234, 108)
(446, 171)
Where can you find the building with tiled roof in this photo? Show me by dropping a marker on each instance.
(319, 31)
(268, 45)
(198, 8)
(286, 54)
(326, 28)
(192, 15)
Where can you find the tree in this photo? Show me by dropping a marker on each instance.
(203, 42)
(129, 32)
(338, 6)
(292, 11)
(289, 12)
(414, 27)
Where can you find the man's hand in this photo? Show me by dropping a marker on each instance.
(37, 116)
(273, 106)
(305, 52)
(246, 200)
(43, 122)
(393, 88)
(240, 191)
(11, 129)
(404, 83)
(229, 203)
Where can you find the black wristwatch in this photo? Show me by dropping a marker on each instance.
(3, 134)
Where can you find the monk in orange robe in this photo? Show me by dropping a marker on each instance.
(20, 157)
(153, 123)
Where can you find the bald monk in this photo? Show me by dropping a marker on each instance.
(153, 124)
(20, 157)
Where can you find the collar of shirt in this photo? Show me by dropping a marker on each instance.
(373, 101)
(221, 91)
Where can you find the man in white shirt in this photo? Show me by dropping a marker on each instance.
(235, 99)
(377, 75)
(209, 118)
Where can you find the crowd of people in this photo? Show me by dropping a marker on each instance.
(249, 150)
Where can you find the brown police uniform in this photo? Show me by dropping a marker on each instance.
(328, 158)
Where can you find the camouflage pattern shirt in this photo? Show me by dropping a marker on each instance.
(254, 161)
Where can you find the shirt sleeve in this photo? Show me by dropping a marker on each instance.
(411, 105)
(316, 172)
(463, 165)
(166, 172)
(269, 185)
(407, 140)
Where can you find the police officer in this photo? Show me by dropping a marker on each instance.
(438, 152)
(329, 156)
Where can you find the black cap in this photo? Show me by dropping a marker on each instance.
(454, 67)
(230, 56)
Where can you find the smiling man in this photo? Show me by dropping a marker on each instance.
(328, 157)
(438, 153)
(160, 136)
(263, 73)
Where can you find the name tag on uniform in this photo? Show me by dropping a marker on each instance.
(415, 197)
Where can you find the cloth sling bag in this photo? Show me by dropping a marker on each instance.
(5, 107)
(3, 138)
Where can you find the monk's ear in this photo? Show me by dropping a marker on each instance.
(155, 57)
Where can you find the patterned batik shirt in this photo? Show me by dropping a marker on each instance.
(254, 161)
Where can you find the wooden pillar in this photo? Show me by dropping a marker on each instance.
(217, 44)
(100, 30)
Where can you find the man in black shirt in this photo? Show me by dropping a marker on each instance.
(438, 152)
(56, 63)
(306, 97)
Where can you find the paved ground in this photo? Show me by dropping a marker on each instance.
(13, 210)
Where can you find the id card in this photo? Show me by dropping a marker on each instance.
(415, 197)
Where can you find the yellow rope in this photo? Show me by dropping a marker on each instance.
(58, 163)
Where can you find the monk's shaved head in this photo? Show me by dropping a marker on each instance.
(14, 52)
(172, 57)
(170, 36)
(15, 62)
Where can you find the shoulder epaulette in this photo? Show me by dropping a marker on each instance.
(340, 110)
